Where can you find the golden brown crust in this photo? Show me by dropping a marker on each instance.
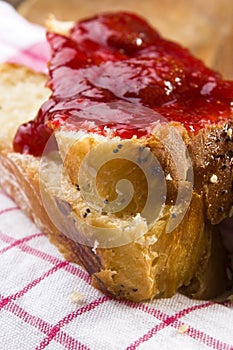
(211, 151)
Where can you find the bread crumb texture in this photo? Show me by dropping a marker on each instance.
(76, 297)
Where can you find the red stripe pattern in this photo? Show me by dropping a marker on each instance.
(96, 322)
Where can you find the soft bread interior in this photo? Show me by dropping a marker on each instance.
(60, 27)
(26, 93)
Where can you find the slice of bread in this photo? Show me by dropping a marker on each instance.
(189, 257)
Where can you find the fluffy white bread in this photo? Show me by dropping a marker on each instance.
(26, 94)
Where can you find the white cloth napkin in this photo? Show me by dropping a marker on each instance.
(48, 303)
(20, 41)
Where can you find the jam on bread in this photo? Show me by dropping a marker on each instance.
(117, 58)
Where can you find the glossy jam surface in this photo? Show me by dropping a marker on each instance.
(118, 73)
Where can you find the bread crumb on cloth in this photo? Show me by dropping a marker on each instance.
(183, 329)
(76, 297)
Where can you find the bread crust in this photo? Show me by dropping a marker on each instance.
(211, 151)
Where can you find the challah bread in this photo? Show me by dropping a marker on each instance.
(127, 255)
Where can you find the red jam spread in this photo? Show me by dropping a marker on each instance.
(118, 73)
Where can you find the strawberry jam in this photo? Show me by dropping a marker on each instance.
(118, 73)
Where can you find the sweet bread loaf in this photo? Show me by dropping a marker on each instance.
(125, 105)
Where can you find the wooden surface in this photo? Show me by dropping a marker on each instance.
(14, 3)
(206, 27)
